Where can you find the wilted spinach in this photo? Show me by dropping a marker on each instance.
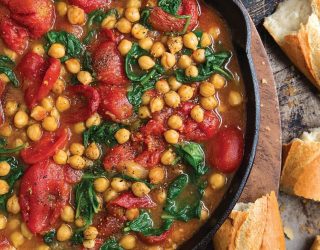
(48, 238)
(111, 244)
(77, 237)
(6, 68)
(4, 150)
(136, 91)
(144, 17)
(170, 6)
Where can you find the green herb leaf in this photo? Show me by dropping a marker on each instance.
(95, 171)
(10, 74)
(136, 91)
(144, 224)
(77, 237)
(132, 179)
(87, 63)
(86, 201)
(73, 46)
(49, 237)
(16, 171)
(90, 36)
(103, 133)
(170, 6)
(5, 60)
(215, 63)
(145, 14)
(111, 244)
(97, 16)
(192, 154)
(3, 150)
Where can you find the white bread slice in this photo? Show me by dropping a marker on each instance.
(301, 169)
(316, 244)
(253, 226)
(295, 26)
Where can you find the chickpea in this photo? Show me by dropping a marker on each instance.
(68, 214)
(38, 49)
(204, 215)
(208, 103)
(175, 44)
(217, 181)
(94, 120)
(133, 4)
(185, 92)
(162, 86)
(157, 175)
(93, 151)
(21, 119)
(146, 98)
(77, 149)
(3, 221)
(77, 162)
(146, 43)
(101, 184)
(25, 231)
(172, 99)
(206, 40)
(55, 114)
(124, 46)
(132, 213)
(132, 14)
(57, 51)
(122, 135)
(90, 233)
(146, 62)
(62, 104)
(50, 124)
(235, 98)
(64, 232)
(59, 87)
(38, 113)
(144, 112)
(124, 25)
(139, 31)
(84, 77)
(88, 244)
(34, 132)
(119, 184)
(140, 189)
(168, 60)
(76, 15)
(215, 32)
(79, 222)
(43, 247)
(184, 62)
(207, 89)
(175, 122)
(192, 71)
(4, 168)
(13, 205)
(60, 157)
(109, 195)
(156, 104)
(73, 65)
(11, 108)
(18, 142)
(10, 53)
(197, 114)
(79, 128)
(199, 56)
(190, 40)
(168, 157)
(171, 136)
(47, 103)
(109, 22)
(17, 239)
(218, 81)
(174, 84)
(4, 78)
(6, 130)
(62, 8)
(13, 224)
(157, 49)
(161, 196)
(128, 241)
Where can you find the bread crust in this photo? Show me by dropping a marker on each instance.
(301, 166)
(316, 244)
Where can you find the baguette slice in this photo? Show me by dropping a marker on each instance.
(301, 170)
(295, 26)
(316, 244)
(258, 227)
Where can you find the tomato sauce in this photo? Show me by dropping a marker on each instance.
(105, 135)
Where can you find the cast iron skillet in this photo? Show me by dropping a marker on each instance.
(234, 13)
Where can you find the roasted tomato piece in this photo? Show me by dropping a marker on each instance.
(114, 103)
(2, 89)
(153, 240)
(129, 200)
(72, 176)
(36, 15)
(165, 22)
(109, 64)
(43, 194)
(4, 243)
(13, 35)
(108, 225)
(117, 155)
(85, 101)
(89, 5)
(225, 151)
(46, 147)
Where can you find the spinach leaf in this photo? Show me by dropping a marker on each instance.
(183, 209)
(136, 91)
(86, 201)
(89, 37)
(144, 224)
(3, 150)
(10, 74)
(74, 48)
(215, 63)
(170, 6)
(111, 244)
(5, 60)
(16, 171)
(103, 133)
(145, 14)
(192, 154)
(77, 237)
(87, 63)
(48, 238)
(132, 179)
(97, 16)
(94, 172)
